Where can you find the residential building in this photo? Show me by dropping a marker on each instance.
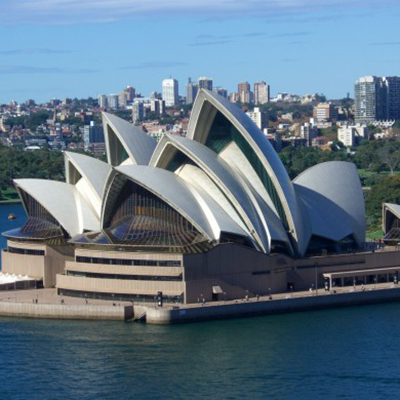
(170, 92)
(205, 83)
(320, 141)
(221, 91)
(113, 101)
(93, 138)
(155, 96)
(102, 101)
(392, 91)
(308, 132)
(123, 99)
(377, 99)
(351, 135)
(131, 93)
(138, 111)
(366, 100)
(244, 92)
(233, 97)
(260, 118)
(325, 112)
(157, 106)
(191, 91)
(261, 93)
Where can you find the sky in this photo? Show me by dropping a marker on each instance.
(81, 48)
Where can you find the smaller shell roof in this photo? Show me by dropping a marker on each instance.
(95, 171)
(394, 208)
(196, 206)
(337, 188)
(327, 219)
(63, 202)
(138, 144)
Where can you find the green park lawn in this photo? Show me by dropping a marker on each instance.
(9, 194)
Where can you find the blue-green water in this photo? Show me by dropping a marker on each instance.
(345, 353)
(6, 224)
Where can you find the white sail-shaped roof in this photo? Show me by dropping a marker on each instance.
(246, 205)
(64, 202)
(389, 209)
(205, 109)
(93, 170)
(333, 196)
(123, 137)
(89, 175)
(195, 205)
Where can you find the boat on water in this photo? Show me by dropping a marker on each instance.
(12, 216)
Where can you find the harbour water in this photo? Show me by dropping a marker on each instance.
(344, 353)
(6, 224)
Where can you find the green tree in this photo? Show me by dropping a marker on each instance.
(387, 190)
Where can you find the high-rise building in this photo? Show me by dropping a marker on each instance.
(131, 93)
(191, 91)
(137, 111)
(123, 99)
(113, 101)
(93, 138)
(157, 106)
(261, 93)
(221, 91)
(170, 92)
(392, 86)
(102, 101)
(155, 95)
(366, 96)
(244, 92)
(377, 99)
(309, 133)
(233, 97)
(205, 83)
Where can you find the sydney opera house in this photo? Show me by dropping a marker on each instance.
(210, 216)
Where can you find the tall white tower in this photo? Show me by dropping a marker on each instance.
(170, 92)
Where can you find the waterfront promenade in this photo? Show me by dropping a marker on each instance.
(45, 303)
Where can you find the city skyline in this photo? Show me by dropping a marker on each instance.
(66, 49)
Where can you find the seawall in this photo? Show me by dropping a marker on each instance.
(64, 311)
(197, 312)
(161, 315)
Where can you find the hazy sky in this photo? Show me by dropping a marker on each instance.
(81, 48)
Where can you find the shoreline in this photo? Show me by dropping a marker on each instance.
(21, 304)
(5, 202)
